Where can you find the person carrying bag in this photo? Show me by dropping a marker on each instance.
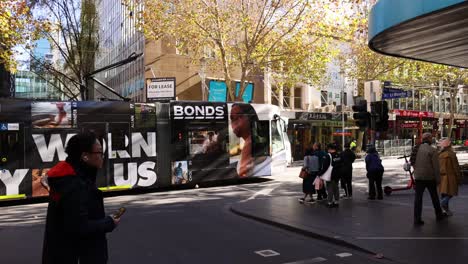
(308, 174)
(330, 174)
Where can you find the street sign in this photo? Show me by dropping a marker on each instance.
(3, 126)
(392, 93)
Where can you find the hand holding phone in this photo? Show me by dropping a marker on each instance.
(119, 213)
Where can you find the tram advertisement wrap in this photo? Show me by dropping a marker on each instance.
(130, 155)
(248, 141)
(200, 140)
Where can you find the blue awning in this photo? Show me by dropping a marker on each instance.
(427, 30)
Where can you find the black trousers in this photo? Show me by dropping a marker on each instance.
(375, 183)
(346, 184)
(418, 199)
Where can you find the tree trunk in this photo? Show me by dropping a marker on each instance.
(360, 139)
(453, 94)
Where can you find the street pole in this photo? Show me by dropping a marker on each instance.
(202, 74)
(342, 116)
(441, 124)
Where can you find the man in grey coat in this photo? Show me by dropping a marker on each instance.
(427, 175)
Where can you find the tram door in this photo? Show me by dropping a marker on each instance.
(11, 157)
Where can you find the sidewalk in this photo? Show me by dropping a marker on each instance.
(373, 227)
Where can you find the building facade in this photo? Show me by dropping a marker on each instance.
(120, 38)
(31, 81)
(428, 110)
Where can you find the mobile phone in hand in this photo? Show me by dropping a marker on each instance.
(120, 212)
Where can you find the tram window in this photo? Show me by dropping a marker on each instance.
(276, 139)
(145, 116)
(260, 138)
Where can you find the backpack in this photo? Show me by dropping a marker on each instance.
(313, 163)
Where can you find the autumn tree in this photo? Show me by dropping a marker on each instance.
(448, 78)
(363, 64)
(17, 26)
(74, 34)
(290, 37)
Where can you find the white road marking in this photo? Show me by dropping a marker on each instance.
(344, 255)
(412, 238)
(265, 192)
(307, 261)
(267, 253)
(244, 189)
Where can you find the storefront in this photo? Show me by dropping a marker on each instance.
(307, 128)
(459, 129)
(409, 124)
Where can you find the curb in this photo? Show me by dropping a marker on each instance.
(307, 233)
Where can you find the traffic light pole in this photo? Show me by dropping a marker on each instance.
(372, 128)
(342, 119)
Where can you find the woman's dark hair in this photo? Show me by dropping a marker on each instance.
(247, 110)
(79, 143)
(371, 149)
(319, 145)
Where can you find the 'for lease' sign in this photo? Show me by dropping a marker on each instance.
(160, 89)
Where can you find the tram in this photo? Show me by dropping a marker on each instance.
(146, 145)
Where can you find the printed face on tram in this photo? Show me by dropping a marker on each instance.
(239, 122)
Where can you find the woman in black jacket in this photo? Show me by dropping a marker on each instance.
(76, 223)
(333, 159)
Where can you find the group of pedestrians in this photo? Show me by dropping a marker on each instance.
(435, 170)
(439, 172)
(325, 171)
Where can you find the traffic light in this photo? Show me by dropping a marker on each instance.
(380, 109)
(361, 116)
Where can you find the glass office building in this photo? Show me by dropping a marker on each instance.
(119, 38)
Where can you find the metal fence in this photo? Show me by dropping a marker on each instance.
(395, 147)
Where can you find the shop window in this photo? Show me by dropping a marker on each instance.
(297, 97)
(324, 98)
